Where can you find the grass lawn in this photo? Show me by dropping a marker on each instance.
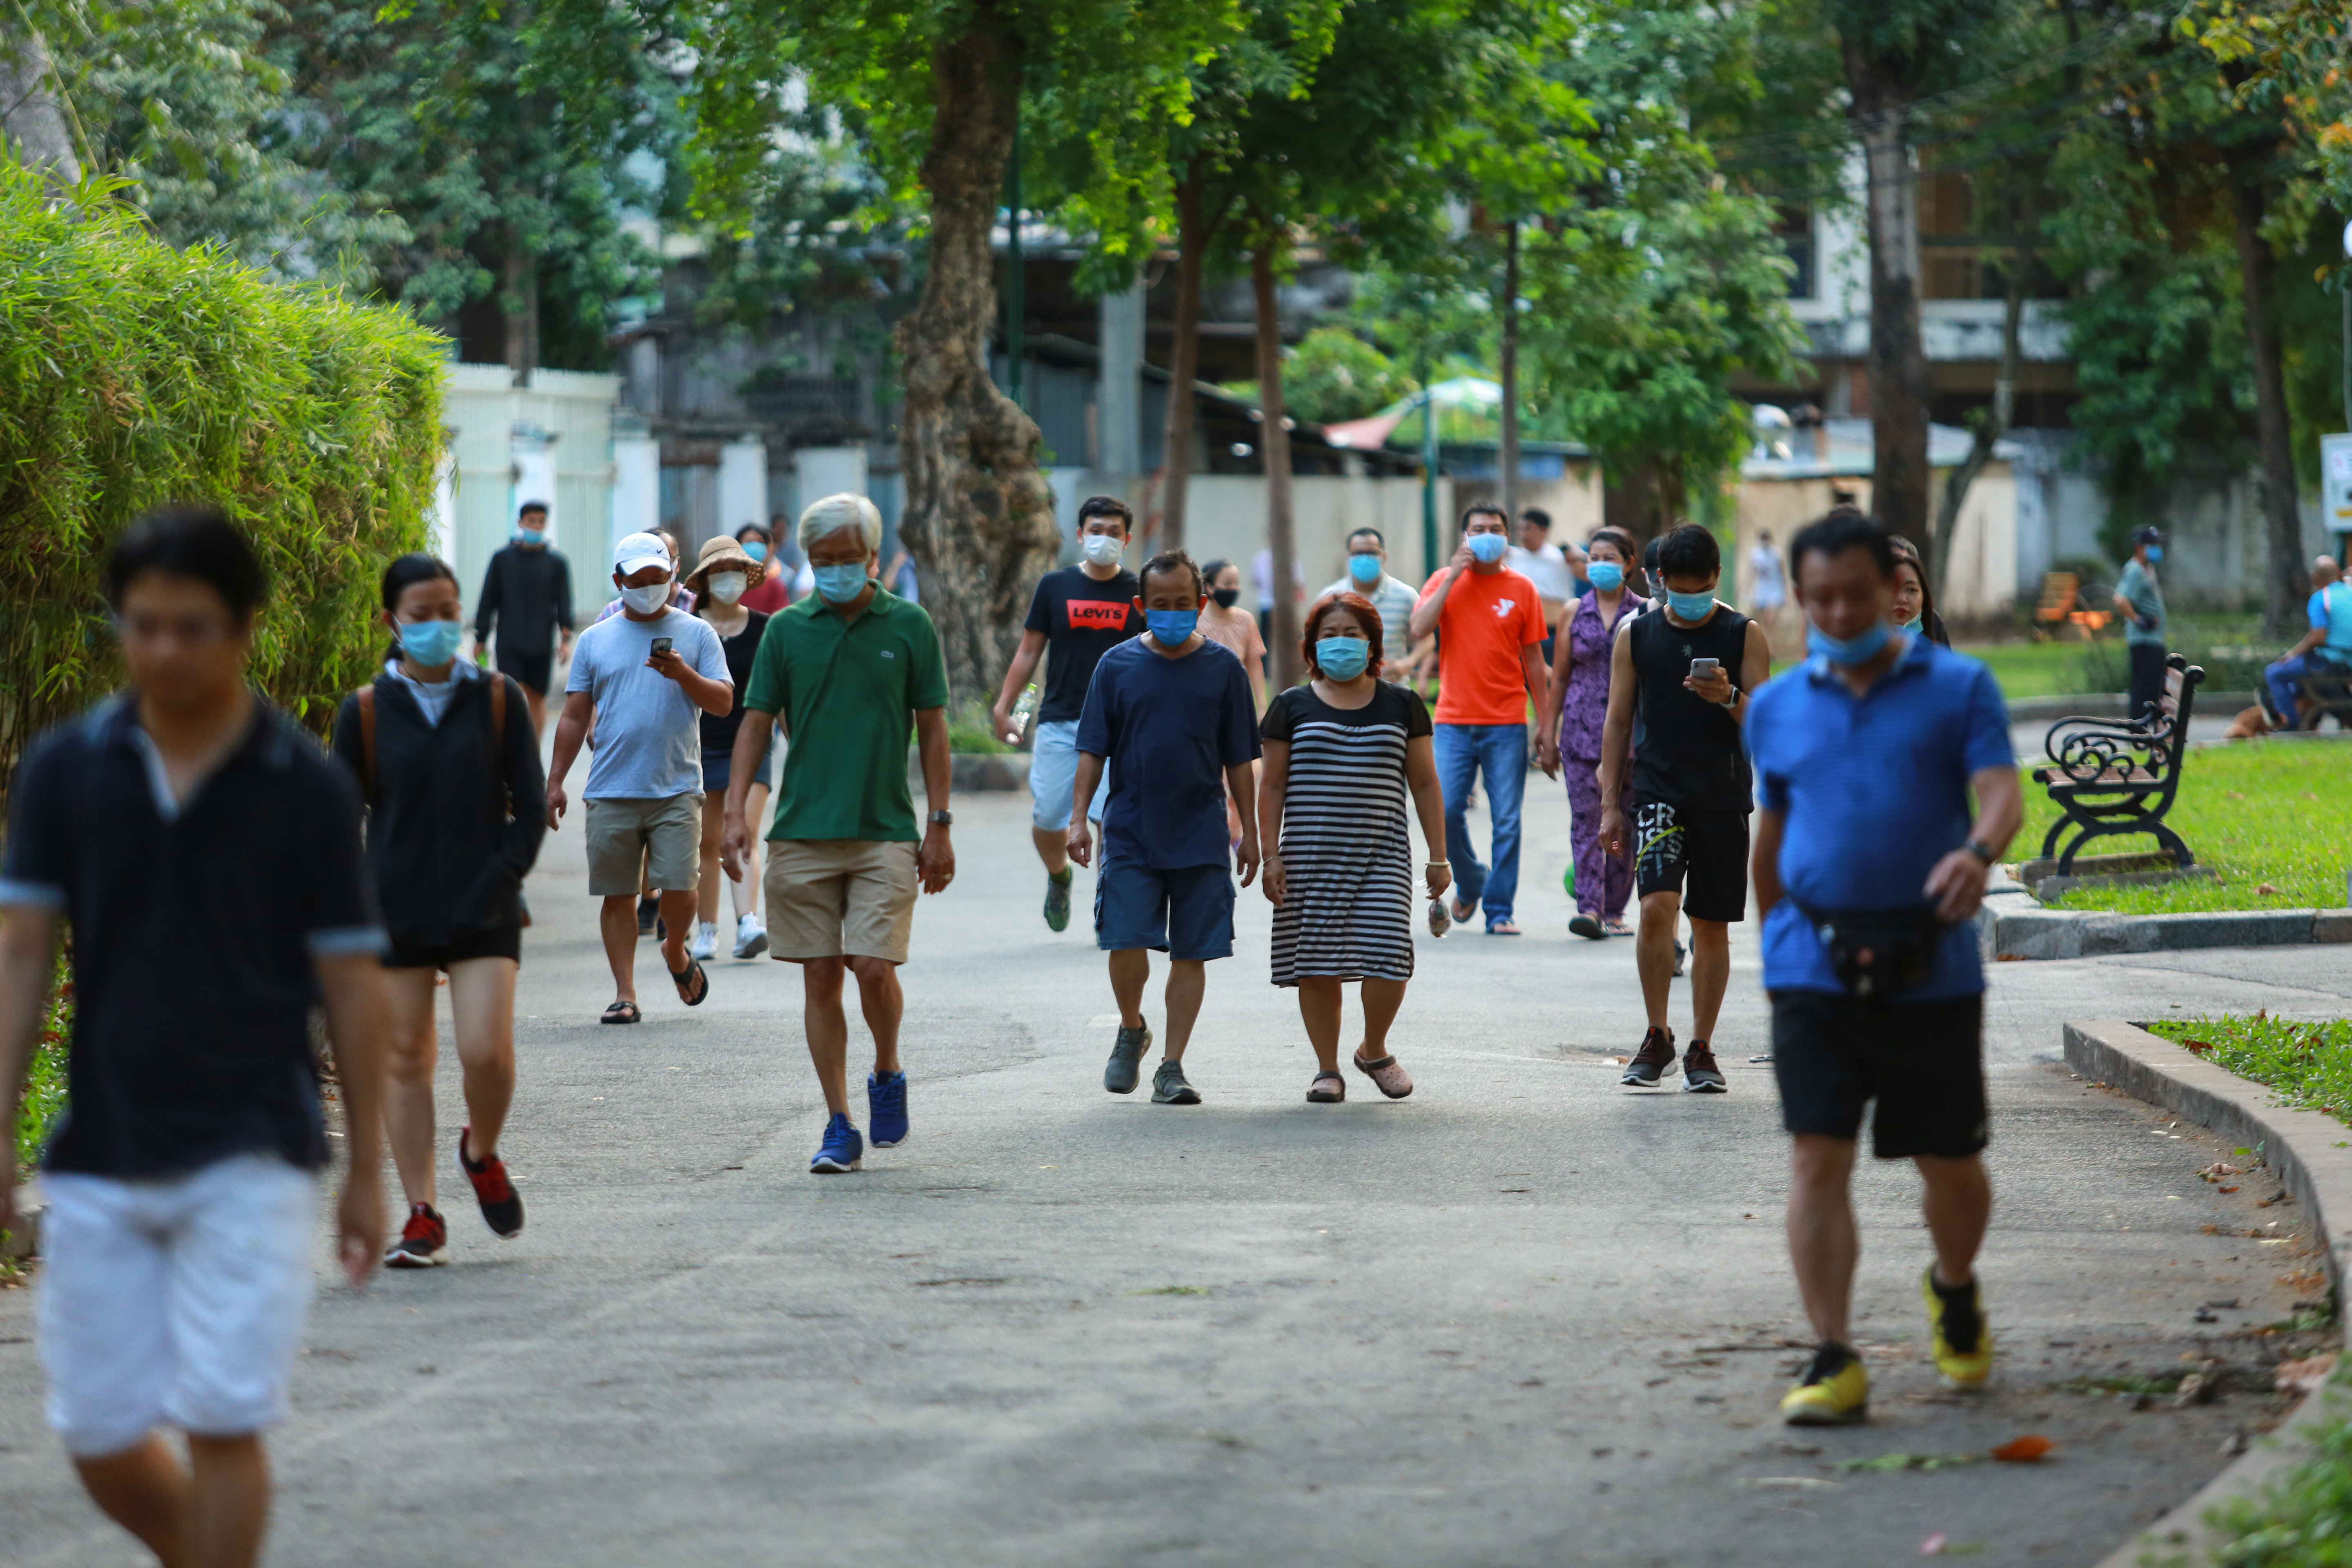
(2301, 1519)
(2309, 1065)
(2032, 668)
(2273, 817)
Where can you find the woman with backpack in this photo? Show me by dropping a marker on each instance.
(456, 805)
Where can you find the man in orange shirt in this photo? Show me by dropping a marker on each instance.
(1490, 633)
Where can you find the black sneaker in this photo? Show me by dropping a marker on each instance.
(648, 909)
(1125, 1068)
(501, 1205)
(1656, 1055)
(1168, 1088)
(1700, 1075)
(423, 1241)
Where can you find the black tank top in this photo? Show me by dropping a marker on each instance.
(1687, 749)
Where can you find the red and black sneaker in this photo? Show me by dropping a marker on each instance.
(423, 1241)
(501, 1207)
(1650, 1063)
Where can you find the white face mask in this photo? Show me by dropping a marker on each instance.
(1102, 549)
(728, 586)
(648, 599)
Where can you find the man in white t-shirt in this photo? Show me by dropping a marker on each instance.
(1768, 590)
(1548, 566)
(1368, 573)
(644, 678)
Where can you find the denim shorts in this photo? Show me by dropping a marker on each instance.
(1054, 772)
(1186, 912)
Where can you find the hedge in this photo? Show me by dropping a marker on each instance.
(134, 374)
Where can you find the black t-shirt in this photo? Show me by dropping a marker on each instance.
(1687, 751)
(194, 930)
(1083, 619)
(719, 731)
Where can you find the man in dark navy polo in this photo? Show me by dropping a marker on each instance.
(1868, 870)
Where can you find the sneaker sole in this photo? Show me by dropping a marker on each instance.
(1854, 1418)
(874, 1142)
(753, 948)
(433, 1260)
(1635, 1080)
(1189, 1097)
(823, 1165)
(1717, 1087)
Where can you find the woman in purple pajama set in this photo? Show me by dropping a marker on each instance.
(1579, 695)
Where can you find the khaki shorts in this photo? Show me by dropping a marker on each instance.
(835, 898)
(623, 834)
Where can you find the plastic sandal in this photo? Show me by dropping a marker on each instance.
(1317, 1094)
(1390, 1078)
(693, 985)
(621, 1013)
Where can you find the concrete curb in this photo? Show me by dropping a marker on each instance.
(23, 1239)
(2019, 927)
(2306, 1148)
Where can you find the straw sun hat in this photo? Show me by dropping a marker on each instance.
(723, 555)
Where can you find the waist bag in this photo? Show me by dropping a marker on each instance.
(1875, 952)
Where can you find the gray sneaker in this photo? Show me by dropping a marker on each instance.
(1168, 1088)
(1125, 1066)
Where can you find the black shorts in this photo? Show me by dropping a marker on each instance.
(1708, 851)
(497, 942)
(1922, 1061)
(531, 671)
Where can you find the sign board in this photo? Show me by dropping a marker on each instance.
(2336, 481)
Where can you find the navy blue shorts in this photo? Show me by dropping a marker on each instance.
(1186, 914)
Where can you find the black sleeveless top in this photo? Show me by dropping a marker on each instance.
(1687, 751)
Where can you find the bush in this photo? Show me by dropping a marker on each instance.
(132, 374)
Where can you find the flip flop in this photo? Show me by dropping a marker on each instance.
(1461, 911)
(1616, 928)
(1503, 928)
(1391, 1080)
(1586, 926)
(693, 985)
(1319, 1095)
(621, 1013)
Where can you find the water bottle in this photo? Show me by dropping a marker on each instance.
(1024, 709)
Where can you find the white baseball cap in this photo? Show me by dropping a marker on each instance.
(638, 551)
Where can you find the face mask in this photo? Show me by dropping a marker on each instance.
(1691, 607)
(728, 586)
(1172, 627)
(1364, 568)
(1102, 549)
(755, 550)
(1342, 658)
(841, 584)
(1605, 576)
(431, 643)
(1226, 598)
(2155, 554)
(1851, 650)
(648, 599)
(1487, 548)
(529, 536)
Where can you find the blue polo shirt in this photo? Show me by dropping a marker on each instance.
(1169, 729)
(1872, 790)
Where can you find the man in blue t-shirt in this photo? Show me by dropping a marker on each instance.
(2325, 648)
(1170, 713)
(1868, 870)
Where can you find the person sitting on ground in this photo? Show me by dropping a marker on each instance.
(643, 678)
(1915, 602)
(2325, 648)
(1342, 753)
(1576, 710)
(456, 807)
(1169, 714)
(1368, 573)
(722, 578)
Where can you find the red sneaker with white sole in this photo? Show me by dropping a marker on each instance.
(501, 1207)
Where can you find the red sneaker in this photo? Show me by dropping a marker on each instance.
(501, 1207)
(423, 1241)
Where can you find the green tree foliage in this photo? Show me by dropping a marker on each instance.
(1332, 376)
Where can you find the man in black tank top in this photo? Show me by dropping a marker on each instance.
(1678, 687)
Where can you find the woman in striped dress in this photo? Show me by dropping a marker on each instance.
(1341, 753)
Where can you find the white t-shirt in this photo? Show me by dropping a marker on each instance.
(1547, 568)
(648, 732)
(1764, 578)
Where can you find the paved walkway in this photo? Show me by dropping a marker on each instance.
(1523, 1318)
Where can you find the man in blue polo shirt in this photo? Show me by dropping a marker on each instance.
(1170, 713)
(1868, 870)
(2326, 649)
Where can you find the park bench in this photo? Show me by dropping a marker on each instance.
(2061, 606)
(2330, 691)
(2119, 776)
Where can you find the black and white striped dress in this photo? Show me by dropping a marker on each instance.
(1347, 853)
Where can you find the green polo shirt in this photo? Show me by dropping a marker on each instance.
(847, 691)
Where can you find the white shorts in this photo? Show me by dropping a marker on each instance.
(1054, 773)
(173, 1303)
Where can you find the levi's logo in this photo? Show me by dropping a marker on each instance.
(1098, 615)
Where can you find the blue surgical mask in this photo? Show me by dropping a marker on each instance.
(1364, 568)
(431, 644)
(1605, 576)
(1172, 627)
(1342, 658)
(530, 535)
(755, 550)
(2155, 554)
(1915, 624)
(1851, 650)
(1691, 607)
(839, 584)
(1487, 548)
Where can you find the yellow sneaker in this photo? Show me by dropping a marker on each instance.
(1834, 1392)
(1959, 1369)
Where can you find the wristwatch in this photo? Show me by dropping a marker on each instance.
(1731, 701)
(944, 819)
(1981, 851)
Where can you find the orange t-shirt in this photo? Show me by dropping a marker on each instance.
(1487, 619)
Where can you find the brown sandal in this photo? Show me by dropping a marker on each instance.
(1319, 1095)
(1391, 1080)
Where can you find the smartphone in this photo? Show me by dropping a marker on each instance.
(1700, 667)
(662, 645)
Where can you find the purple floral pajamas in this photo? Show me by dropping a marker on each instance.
(1603, 881)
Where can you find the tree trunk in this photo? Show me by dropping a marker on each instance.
(1183, 359)
(1273, 446)
(1989, 429)
(519, 309)
(1629, 497)
(1899, 382)
(1509, 456)
(2281, 602)
(30, 110)
(978, 518)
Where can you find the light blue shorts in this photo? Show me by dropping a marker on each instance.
(1054, 772)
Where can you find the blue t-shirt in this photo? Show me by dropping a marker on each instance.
(2330, 610)
(1873, 792)
(1170, 728)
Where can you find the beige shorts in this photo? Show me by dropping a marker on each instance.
(835, 897)
(624, 834)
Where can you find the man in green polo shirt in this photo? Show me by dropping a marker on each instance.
(845, 669)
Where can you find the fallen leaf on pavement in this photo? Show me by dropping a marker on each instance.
(1933, 1546)
(2023, 1450)
(2303, 1376)
(1890, 1462)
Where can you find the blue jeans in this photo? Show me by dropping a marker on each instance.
(2285, 680)
(1500, 751)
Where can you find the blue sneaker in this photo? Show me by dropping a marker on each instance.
(841, 1150)
(885, 1109)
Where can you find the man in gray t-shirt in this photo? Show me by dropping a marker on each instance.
(643, 679)
(2140, 600)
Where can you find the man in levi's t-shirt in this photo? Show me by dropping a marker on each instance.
(1490, 632)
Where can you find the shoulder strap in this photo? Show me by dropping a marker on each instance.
(366, 696)
(501, 793)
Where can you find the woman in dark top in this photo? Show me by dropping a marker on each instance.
(1915, 602)
(1342, 754)
(455, 808)
(723, 574)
